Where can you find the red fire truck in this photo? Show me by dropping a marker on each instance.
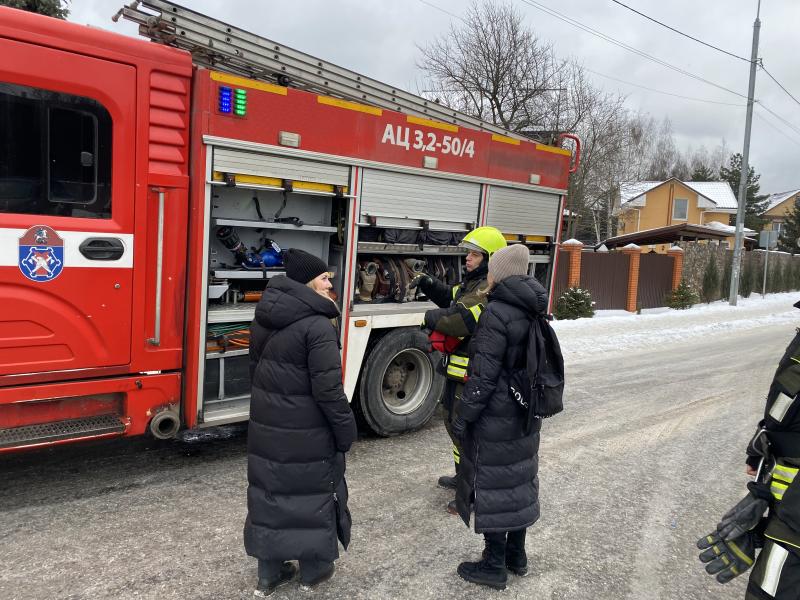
(147, 190)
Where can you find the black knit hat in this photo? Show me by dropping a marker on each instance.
(302, 266)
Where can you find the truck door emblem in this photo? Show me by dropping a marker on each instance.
(41, 253)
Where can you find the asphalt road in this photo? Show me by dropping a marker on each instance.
(646, 457)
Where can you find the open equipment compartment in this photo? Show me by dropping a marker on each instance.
(270, 204)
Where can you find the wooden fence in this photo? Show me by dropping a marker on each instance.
(623, 279)
(655, 279)
(605, 275)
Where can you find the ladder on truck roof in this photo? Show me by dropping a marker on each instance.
(220, 46)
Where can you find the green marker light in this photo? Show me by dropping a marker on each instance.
(240, 102)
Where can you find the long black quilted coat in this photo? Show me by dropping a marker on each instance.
(300, 427)
(499, 464)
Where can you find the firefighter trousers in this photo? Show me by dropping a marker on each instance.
(776, 574)
(450, 402)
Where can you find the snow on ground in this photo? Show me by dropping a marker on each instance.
(618, 330)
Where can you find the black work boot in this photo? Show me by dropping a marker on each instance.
(516, 558)
(266, 587)
(307, 586)
(483, 573)
(515, 565)
(490, 570)
(448, 482)
(452, 508)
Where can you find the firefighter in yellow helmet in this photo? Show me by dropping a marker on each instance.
(460, 309)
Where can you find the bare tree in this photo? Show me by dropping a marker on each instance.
(494, 67)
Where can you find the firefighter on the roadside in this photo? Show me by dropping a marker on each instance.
(454, 322)
(774, 460)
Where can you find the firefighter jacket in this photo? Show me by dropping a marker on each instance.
(459, 309)
(300, 427)
(782, 424)
(499, 462)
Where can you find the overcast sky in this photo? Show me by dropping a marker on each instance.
(379, 38)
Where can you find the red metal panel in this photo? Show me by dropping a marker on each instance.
(20, 414)
(554, 257)
(195, 266)
(169, 126)
(162, 153)
(89, 41)
(341, 131)
(71, 315)
(140, 397)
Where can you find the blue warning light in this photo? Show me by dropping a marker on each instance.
(225, 99)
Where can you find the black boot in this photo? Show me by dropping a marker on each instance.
(448, 482)
(490, 570)
(266, 586)
(307, 585)
(516, 558)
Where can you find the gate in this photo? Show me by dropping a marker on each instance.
(655, 279)
(605, 275)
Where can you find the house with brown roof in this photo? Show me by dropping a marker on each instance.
(646, 205)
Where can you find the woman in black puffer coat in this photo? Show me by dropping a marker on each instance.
(300, 427)
(500, 462)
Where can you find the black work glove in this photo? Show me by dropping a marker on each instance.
(728, 559)
(746, 514)
(430, 319)
(459, 428)
(423, 280)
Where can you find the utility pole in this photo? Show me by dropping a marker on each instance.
(739, 239)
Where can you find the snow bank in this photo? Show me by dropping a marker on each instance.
(617, 330)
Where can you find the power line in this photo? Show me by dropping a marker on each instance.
(649, 18)
(763, 68)
(780, 131)
(440, 9)
(780, 118)
(625, 46)
(644, 87)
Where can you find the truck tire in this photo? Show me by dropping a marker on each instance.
(400, 384)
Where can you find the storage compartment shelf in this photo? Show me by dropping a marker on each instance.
(383, 248)
(242, 274)
(231, 313)
(227, 354)
(275, 226)
(390, 308)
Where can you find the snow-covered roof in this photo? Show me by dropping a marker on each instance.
(630, 190)
(728, 228)
(718, 192)
(776, 199)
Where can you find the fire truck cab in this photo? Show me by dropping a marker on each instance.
(146, 195)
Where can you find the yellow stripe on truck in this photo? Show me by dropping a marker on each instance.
(248, 83)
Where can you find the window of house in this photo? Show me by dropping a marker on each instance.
(680, 209)
(777, 226)
(55, 153)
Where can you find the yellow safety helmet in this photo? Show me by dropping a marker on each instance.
(487, 240)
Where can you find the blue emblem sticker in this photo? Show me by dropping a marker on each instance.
(41, 253)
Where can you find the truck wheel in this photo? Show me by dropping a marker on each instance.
(400, 385)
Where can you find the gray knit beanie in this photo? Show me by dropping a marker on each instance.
(508, 261)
